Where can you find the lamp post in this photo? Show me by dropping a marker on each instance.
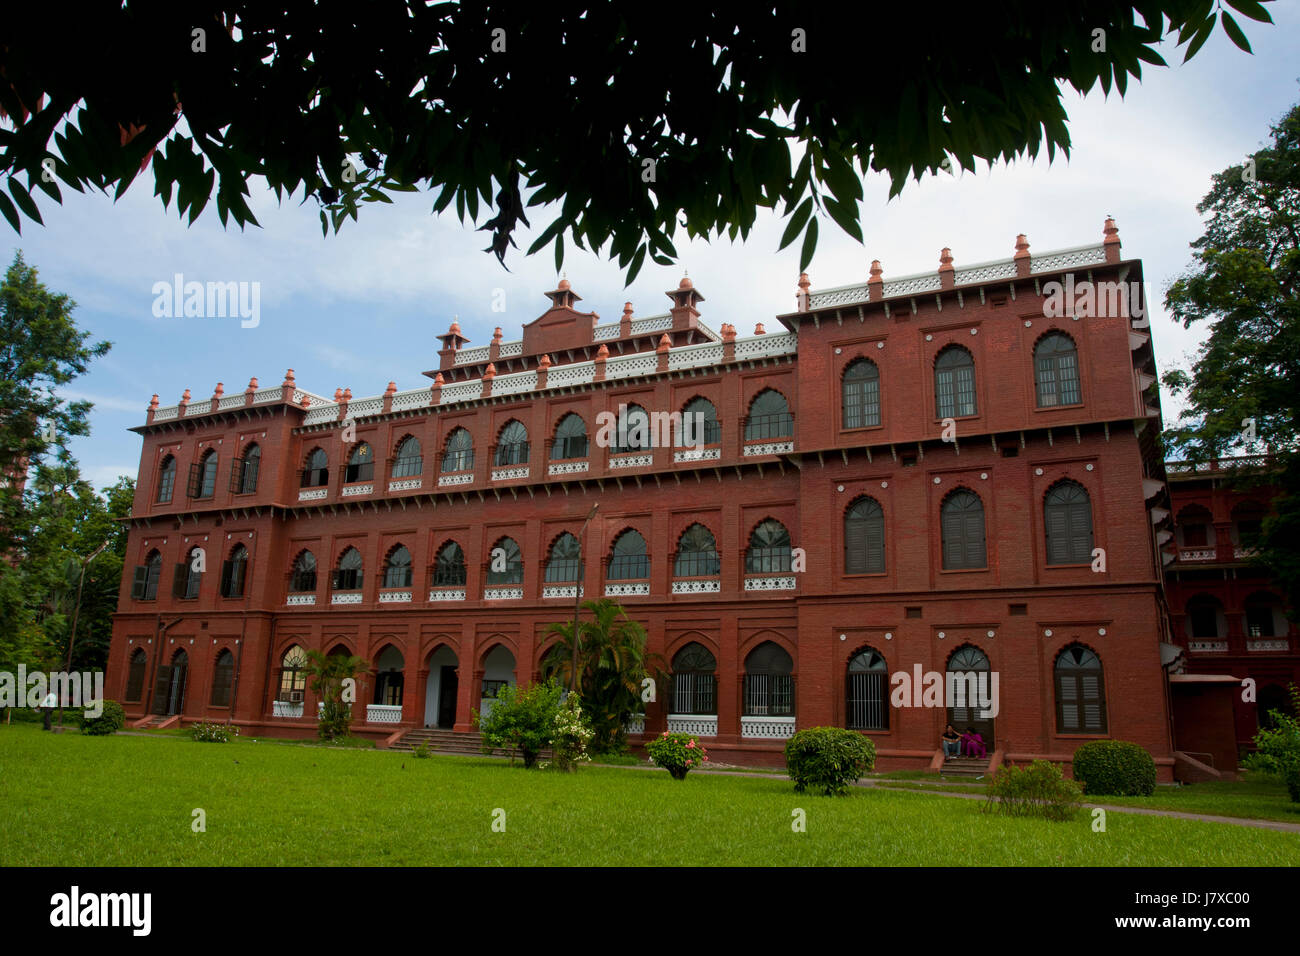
(577, 594)
(76, 612)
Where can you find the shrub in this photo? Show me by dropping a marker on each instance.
(1116, 768)
(1039, 789)
(1279, 748)
(522, 720)
(677, 753)
(422, 750)
(110, 721)
(828, 759)
(213, 733)
(572, 734)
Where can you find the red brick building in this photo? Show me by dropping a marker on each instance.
(1229, 617)
(904, 476)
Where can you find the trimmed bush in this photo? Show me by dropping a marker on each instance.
(110, 721)
(677, 753)
(828, 759)
(1115, 768)
(1037, 790)
(521, 719)
(213, 733)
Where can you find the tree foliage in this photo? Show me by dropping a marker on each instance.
(1242, 393)
(612, 662)
(521, 719)
(328, 674)
(633, 120)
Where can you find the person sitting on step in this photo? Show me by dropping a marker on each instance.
(973, 744)
(951, 742)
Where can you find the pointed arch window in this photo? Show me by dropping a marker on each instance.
(1080, 692)
(694, 681)
(866, 698)
(697, 554)
(769, 550)
(144, 586)
(633, 430)
(512, 445)
(397, 572)
(233, 572)
(505, 563)
(189, 576)
(223, 678)
(954, 383)
(700, 425)
(135, 675)
(244, 469)
(769, 682)
(361, 464)
(203, 476)
(962, 528)
(1056, 371)
(293, 675)
(563, 563)
(1067, 516)
(570, 438)
(303, 577)
(769, 417)
(347, 576)
(410, 458)
(864, 538)
(166, 479)
(860, 394)
(459, 455)
(629, 559)
(449, 566)
(316, 472)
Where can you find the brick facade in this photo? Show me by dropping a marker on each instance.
(1019, 610)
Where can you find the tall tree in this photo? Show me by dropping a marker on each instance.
(633, 119)
(1243, 391)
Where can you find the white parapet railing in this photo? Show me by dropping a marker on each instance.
(693, 724)
(283, 708)
(635, 724)
(769, 728)
(383, 713)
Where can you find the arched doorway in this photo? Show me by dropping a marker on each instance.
(440, 691)
(970, 666)
(169, 691)
(498, 669)
(389, 677)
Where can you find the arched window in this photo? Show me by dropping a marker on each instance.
(562, 564)
(189, 575)
(769, 417)
(697, 554)
(449, 566)
(694, 681)
(1056, 371)
(968, 671)
(860, 394)
(389, 677)
(769, 682)
(864, 538)
(1067, 514)
(512, 445)
(459, 454)
(1248, 524)
(962, 528)
(570, 438)
(233, 573)
(223, 678)
(244, 469)
(633, 430)
(1203, 616)
(867, 704)
(629, 559)
(1195, 527)
(1080, 692)
(361, 464)
(303, 577)
(166, 479)
(769, 549)
(505, 563)
(293, 675)
(316, 472)
(203, 476)
(347, 576)
(144, 586)
(954, 383)
(1263, 612)
(410, 460)
(135, 675)
(397, 572)
(700, 425)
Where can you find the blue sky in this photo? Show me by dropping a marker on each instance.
(363, 307)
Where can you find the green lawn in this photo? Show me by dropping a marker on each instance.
(86, 801)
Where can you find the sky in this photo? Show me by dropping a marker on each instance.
(362, 307)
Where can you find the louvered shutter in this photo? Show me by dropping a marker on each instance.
(236, 475)
(227, 571)
(1093, 709)
(857, 555)
(237, 578)
(953, 551)
(195, 482)
(974, 538)
(875, 544)
(138, 583)
(160, 688)
(1067, 700)
(151, 581)
(1058, 538)
(221, 681)
(1080, 529)
(180, 580)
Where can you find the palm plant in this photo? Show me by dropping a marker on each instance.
(612, 661)
(328, 673)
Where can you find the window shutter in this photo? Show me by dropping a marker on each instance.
(965, 391)
(180, 580)
(138, 583)
(875, 544)
(151, 580)
(236, 476)
(1080, 520)
(1092, 703)
(943, 393)
(227, 569)
(953, 551)
(857, 555)
(1067, 698)
(160, 688)
(1058, 540)
(975, 556)
(195, 481)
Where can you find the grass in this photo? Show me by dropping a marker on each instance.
(113, 801)
(1257, 796)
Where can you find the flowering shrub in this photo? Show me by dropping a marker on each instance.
(572, 734)
(677, 753)
(213, 733)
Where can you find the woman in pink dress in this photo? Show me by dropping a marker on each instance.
(973, 744)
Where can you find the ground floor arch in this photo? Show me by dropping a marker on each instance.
(441, 688)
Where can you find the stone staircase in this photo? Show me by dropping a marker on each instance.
(447, 742)
(157, 722)
(972, 767)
